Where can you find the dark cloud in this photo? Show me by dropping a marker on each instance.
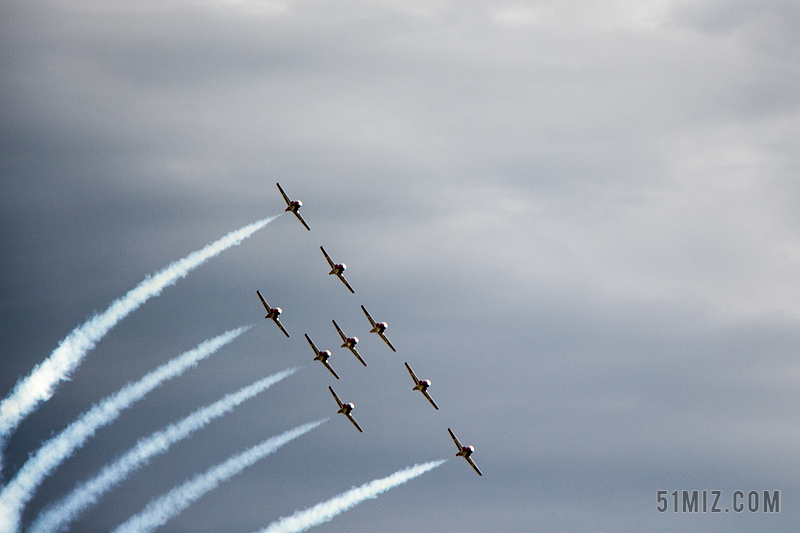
(765, 25)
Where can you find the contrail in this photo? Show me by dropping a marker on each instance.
(40, 384)
(20, 489)
(161, 509)
(325, 511)
(58, 517)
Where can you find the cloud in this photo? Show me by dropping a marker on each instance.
(40, 384)
(327, 510)
(21, 488)
(162, 509)
(58, 517)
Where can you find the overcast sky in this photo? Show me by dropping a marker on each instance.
(581, 221)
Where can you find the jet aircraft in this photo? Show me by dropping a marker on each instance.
(337, 269)
(321, 355)
(465, 452)
(293, 206)
(345, 409)
(273, 313)
(379, 328)
(349, 342)
(422, 386)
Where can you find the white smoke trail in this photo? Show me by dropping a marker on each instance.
(58, 517)
(20, 489)
(325, 511)
(160, 510)
(39, 385)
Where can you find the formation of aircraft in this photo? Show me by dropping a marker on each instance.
(349, 342)
(379, 328)
(293, 206)
(465, 452)
(422, 386)
(337, 269)
(321, 355)
(345, 409)
(273, 313)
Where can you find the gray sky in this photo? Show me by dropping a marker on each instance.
(581, 222)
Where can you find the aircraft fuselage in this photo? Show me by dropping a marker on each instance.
(466, 451)
(350, 342)
(323, 355)
(294, 205)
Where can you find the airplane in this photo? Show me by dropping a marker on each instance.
(273, 313)
(293, 206)
(337, 269)
(421, 386)
(465, 452)
(379, 328)
(322, 356)
(349, 342)
(345, 409)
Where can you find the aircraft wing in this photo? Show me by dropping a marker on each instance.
(316, 352)
(341, 277)
(353, 420)
(278, 322)
(297, 214)
(337, 398)
(358, 356)
(330, 261)
(329, 368)
(263, 301)
(470, 461)
(368, 317)
(341, 334)
(387, 341)
(288, 202)
(425, 393)
(458, 444)
(413, 375)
